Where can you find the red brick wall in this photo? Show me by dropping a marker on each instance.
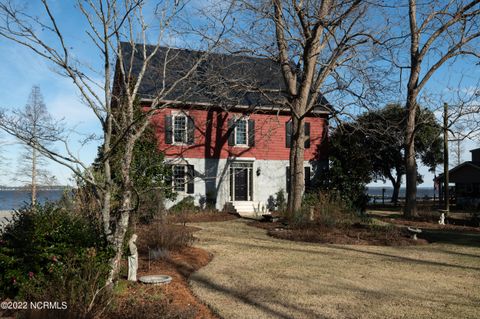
(211, 140)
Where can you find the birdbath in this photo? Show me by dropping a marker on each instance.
(155, 279)
(414, 232)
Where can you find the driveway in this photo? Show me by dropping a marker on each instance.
(255, 276)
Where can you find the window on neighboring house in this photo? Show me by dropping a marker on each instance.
(180, 129)
(183, 178)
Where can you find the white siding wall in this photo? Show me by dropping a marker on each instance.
(212, 176)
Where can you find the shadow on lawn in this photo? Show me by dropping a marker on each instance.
(451, 237)
(251, 301)
(407, 259)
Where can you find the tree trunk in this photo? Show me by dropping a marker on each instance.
(297, 184)
(119, 235)
(125, 209)
(410, 159)
(107, 193)
(396, 184)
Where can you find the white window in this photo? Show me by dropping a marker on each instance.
(179, 175)
(241, 132)
(180, 128)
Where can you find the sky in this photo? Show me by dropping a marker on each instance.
(22, 69)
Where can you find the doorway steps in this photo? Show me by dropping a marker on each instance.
(245, 208)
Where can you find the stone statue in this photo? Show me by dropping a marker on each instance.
(132, 259)
(442, 219)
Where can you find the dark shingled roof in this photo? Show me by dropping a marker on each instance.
(220, 79)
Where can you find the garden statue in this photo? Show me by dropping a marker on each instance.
(132, 259)
(442, 219)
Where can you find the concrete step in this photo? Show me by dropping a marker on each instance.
(243, 208)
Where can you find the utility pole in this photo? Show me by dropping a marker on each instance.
(445, 159)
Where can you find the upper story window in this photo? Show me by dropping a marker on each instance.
(289, 133)
(180, 128)
(242, 132)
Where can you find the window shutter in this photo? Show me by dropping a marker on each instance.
(190, 179)
(168, 175)
(288, 179)
(190, 130)
(307, 135)
(307, 177)
(288, 134)
(231, 133)
(251, 133)
(168, 129)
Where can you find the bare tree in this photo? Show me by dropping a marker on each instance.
(438, 32)
(35, 119)
(109, 23)
(319, 45)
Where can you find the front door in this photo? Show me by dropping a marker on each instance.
(241, 184)
(241, 181)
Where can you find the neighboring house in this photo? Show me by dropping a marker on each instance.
(224, 130)
(466, 178)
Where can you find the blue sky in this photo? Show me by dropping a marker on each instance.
(21, 69)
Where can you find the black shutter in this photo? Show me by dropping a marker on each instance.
(190, 179)
(287, 188)
(168, 129)
(251, 133)
(190, 130)
(168, 175)
(307, 177)
(231, 133)
(307, 135)
(288, 134)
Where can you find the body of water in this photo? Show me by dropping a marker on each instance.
(14, 199)
(421, 192)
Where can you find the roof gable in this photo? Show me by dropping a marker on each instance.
(466, 171)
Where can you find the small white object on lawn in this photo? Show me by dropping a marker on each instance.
(414, 232)
(442, 219)
(155, 279)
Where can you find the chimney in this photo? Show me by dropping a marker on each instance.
(476, 155)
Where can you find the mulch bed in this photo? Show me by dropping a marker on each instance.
(451, 224)
(173, 300)
(201, 217)
(357, 234)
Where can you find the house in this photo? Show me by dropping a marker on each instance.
(466, 178)
(223, 128)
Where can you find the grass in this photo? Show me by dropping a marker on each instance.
(256, 276)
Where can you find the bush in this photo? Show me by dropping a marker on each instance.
(161, 238)
(280, 201)
(44, 246)
(328, 209)
(150, 206)
(186, 204)
(79, 282)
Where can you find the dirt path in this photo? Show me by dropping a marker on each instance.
(256, 276)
